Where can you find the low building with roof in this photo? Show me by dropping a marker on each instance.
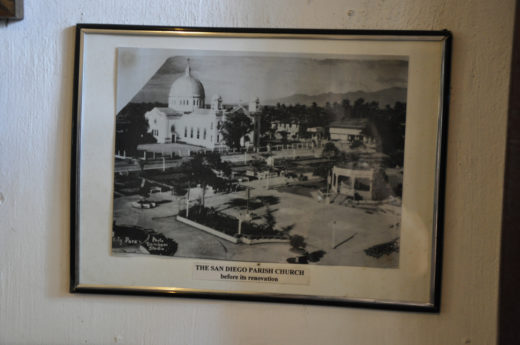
(350, 131)
(360, 181)
(290, 128)
(316, 133)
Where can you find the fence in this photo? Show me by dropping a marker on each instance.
(223, 150)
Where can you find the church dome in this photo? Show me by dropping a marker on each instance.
(186, 92)
(187, 86)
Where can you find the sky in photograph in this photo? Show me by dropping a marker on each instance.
(145, 75)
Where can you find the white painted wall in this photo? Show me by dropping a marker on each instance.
(36, 63)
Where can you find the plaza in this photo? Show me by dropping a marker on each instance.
(342, 230)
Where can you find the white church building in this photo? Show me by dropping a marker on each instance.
(188, 120)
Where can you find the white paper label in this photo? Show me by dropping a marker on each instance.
(252, 273)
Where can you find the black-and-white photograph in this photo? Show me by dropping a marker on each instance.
(259, 157)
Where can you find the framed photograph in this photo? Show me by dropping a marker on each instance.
(284, 165)
(11, 9)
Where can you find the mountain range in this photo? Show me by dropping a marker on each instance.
(383, 97)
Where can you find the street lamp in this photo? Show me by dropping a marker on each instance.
(243, 217)
(188, 198)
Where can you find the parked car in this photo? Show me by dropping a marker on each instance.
(144, 204)
(154, 190)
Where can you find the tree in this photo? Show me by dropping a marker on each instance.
(315, 256)
(347, 109)
(214, 160)
(267, 116)
(270, 221)
(132, 127)
(297, 242)
(360, 108)
(284, 135)
(235, 127)
(200, 172)
(330, 151)
(387, 127)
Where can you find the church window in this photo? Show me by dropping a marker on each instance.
(198, 133)
(193, 102)
(204, 135)
(211, 139)
(191, 132)
(186, 132)
(211, 126)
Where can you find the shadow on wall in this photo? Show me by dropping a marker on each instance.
(57, 255)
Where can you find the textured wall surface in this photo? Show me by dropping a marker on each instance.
(36, 63)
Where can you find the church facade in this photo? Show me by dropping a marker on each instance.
(188, 119)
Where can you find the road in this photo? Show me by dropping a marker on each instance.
(130, 165)
(343, 232)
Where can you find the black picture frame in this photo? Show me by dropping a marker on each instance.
(92, 267)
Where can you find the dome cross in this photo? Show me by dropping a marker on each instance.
(188, 69)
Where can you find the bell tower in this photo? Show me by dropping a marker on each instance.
(254, 106)
(254, 112)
